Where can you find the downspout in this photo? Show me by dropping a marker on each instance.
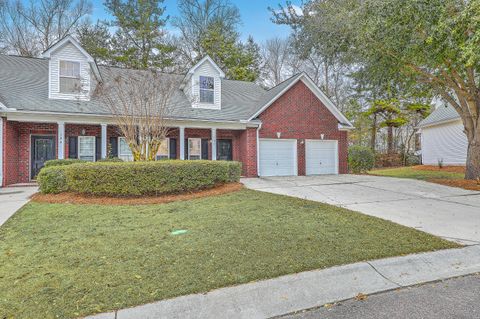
(258, 149)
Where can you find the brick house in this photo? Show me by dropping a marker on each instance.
(291, 129)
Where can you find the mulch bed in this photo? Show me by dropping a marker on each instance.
(450, 169)
(72, 198)
(462, 183)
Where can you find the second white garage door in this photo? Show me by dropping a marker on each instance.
(321, 157)
(278, 157)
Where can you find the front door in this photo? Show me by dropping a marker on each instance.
(224, 150)
(42, 150)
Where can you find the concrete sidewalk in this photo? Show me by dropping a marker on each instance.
(278, 296)
(12, 199)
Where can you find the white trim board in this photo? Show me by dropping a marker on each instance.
(318, 93)
(68, 39)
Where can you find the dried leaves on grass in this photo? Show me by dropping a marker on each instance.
(72, 198)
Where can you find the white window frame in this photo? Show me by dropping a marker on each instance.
(209, 90)
(190, 152)
(60, 76)
(158, 155)
(80, 138)
(124, 156)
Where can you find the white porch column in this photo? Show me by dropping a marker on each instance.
(214, 144)
(182, 142)
(61, 140)
(1, 151)
(104, 140)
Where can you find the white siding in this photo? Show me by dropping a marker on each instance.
(445, 142)
(206, 69)
(69, 53)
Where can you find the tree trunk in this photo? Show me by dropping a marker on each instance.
(473, 158)
(373, 137)
(390, 140)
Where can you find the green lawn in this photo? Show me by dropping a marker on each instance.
(64, 261)
(409, 172)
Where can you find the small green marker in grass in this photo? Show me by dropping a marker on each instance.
(179, 232)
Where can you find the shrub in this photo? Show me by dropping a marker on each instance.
(145, 178)
(62, 162)
(360, 159)
(412, 160)
(110, 160)
(388, 160)
(52, 180)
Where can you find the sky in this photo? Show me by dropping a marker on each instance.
(256, 18)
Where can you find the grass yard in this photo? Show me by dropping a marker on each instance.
(65, 261)
(448, 175)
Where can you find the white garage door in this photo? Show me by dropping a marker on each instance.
(278, 157)
(321, 157)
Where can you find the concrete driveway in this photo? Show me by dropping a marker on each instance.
(451, 213)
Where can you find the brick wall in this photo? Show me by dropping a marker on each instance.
(17, 140)
(299, 114)
(248, 152)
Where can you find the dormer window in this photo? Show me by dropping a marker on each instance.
(70, 77)
(207, 89)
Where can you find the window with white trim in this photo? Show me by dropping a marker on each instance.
(124, 151)
(86, 148)
(207, 89)
(164, 150)
(70, 77)
(194, 148)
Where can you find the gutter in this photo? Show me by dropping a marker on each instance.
(438, 123)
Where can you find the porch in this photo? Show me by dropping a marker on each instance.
(28, 145)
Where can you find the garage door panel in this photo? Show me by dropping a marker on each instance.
(277, 157)
(321, 157)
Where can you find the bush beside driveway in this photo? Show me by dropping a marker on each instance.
(59, 260)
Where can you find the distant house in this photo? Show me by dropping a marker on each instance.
(291, 129)
(442, 137)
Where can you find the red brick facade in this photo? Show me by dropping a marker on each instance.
(16, 144)
(297, 114)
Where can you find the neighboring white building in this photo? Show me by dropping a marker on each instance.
(442, 137)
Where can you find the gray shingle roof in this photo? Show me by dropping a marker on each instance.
(24, 86)
(443, 112)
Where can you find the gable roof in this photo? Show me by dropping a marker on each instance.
(59, 44)
(275, 93)
(443, 113)
(210, 60)
(24, 87)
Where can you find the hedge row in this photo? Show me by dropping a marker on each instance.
(61, 162)
(137, 178)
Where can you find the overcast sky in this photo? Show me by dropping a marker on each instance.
(256, 19)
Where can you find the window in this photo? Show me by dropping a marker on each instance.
(86, 148)
(164, 150)
(69, 77)
(194, 148)
(124, 151)
(207, 88)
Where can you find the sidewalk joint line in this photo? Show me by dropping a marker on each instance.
(385, 277)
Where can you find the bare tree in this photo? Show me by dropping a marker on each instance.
(276, 61)
(196, 17)
(30, 28)
(140, 102)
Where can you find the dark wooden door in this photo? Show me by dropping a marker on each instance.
(42, 150)
(224, 150)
